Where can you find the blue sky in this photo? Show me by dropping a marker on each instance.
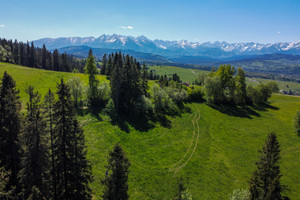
(264, 21)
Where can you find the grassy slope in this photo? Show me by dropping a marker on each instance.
(221, 160)
(186, 75)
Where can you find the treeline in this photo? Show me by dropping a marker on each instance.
(43, 152)
(28, 55)
(227, 86)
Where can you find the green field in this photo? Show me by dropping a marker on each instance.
(185, 74)
(213, 149)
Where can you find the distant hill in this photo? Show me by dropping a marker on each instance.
(82, 51)
(172, 49)
(269, 63)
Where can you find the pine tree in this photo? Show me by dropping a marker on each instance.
(55, 65)
(34, 174)
(44, 57)
(32, 60)
(116, 180)
(49, 102)
(91, 70)
(72, 168)
(265, 181)
(104, 63)
(10, 107)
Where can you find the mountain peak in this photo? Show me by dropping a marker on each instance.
(172, 48)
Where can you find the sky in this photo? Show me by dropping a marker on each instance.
(263, 21)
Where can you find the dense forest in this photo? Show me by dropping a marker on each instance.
(28, 55)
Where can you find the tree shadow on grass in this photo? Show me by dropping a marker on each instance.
(95, 112)
(242, 111)
(140, 123)
(144, 123)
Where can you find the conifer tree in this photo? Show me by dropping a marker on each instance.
(34, 174)
(91, 70)
(44, 57)
(55, 65)
(265, 181)
(10, 107)
(116, 180)
(49, 102)
(115, 80)
(104, 63)
(71, 165)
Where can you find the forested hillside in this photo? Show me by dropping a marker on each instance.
(212, 147)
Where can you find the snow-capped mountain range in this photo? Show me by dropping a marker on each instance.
(173, 49)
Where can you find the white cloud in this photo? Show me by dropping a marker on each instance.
(278, 32)
(127, 27)
(2, 25)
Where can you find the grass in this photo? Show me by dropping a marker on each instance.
(214, 149)
(185, 74)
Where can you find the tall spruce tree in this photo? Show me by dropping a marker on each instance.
(104, 63)
(49, 102)
(265, 181)
(10, 107)
(91, 70)
(72, 168)
(116, 180)
(34, 174)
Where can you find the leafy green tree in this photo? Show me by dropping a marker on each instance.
(214, 90)
(273, 86)
(265, 181)
(240, 87)
(297, 123)
(72, 168)
(116, 180)
(10, 107)
(76, 87)
(34, 174)
(264, 93)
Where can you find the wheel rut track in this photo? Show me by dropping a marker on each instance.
(191, 149)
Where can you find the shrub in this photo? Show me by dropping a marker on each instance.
(163, 104)
(178, 95)
(240, 195)
(195, 93)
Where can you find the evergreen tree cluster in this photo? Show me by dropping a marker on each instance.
(43, 152)
(128, 80)
(27, 54)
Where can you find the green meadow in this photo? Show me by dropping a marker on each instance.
(213, 149)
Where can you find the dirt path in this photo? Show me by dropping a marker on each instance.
(189, 151)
